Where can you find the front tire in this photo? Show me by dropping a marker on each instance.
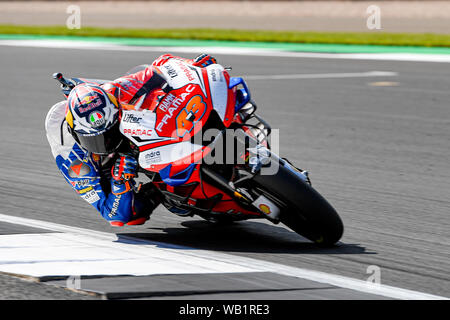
(304, 211)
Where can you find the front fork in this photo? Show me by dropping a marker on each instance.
(261, 157)
(251, 138)
(257, 158)
(260, 131)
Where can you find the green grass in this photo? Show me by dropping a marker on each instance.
(369, 38)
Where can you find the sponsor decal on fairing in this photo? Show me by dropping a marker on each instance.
(267, 207)
(138, 126)
(131, 118)
(218, 89)
(176, 103)
(178, 74)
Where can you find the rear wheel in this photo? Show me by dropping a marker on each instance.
(304, 211)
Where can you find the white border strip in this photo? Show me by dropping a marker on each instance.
(265, 52)
(368, 74)
(257, 265)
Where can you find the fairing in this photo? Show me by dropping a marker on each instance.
(164, 135)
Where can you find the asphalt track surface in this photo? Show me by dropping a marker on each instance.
(377, 149)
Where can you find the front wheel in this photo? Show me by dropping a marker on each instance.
(304, 210)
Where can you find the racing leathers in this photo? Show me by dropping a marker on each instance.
(106, 182)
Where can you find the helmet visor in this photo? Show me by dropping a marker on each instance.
(104, 143)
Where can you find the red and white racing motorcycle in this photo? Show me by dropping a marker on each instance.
(208, 153)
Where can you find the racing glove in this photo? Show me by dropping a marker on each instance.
(204, 60)
(123, 172)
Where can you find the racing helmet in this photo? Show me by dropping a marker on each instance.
(93, 118)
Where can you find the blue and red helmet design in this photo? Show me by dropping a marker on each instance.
(91, 110)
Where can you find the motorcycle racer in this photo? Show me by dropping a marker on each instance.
(83, 133)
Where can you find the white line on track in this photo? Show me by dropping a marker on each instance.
(367, 74)
(104, 253)
(266, 52)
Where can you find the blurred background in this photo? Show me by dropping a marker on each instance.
(358, 89)
(397, 16)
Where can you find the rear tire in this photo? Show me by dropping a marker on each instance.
(305, 211)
